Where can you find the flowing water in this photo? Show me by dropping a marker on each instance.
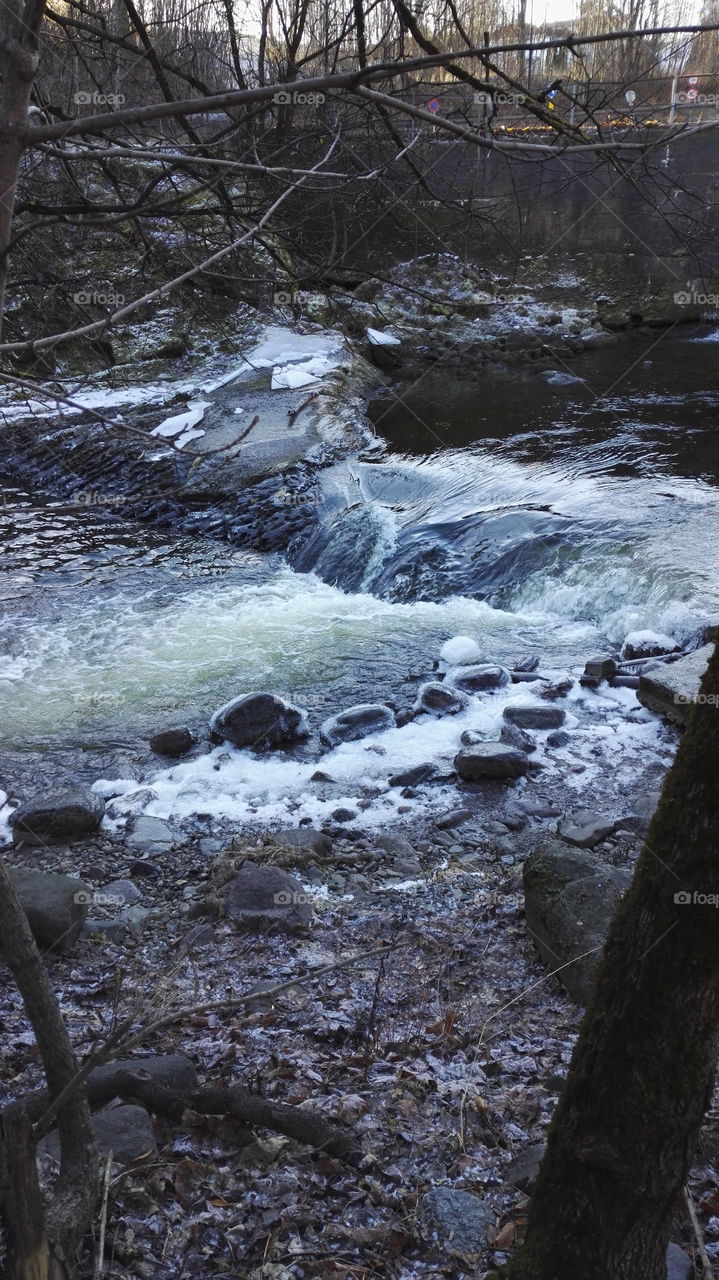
(543, 512)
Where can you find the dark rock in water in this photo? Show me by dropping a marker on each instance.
(522, 1172)
(624, 682)
(306, 838)
(357, 722)
(480, 679)
(556, 689)
(172, 742)
(470, 737)
(258, 720)
(526, 664)
(535, 717)
(569, 900)
(267, 899)
(412, 777)
(320, 776)
(55, 905)
(598, 669)
(490, 760)
(173, 1070)
(440, 700)
(512, 736)
(647, 644)
(527, 677)
(344, 815)
(584, 829)
(456, 1221)
(125, 1131)
(57, 816)
(559, 739)
(454, 818)
(405, 716)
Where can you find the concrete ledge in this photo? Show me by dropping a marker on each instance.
(671, 690)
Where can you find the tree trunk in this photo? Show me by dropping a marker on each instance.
(19, 25)
(622, 1138)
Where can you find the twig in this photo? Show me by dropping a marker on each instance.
(706, 1266)
(100, 1259)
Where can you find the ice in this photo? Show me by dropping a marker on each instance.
(461, 651)
(183, 422)
(5, 810)
(646, 642)
(380, 339)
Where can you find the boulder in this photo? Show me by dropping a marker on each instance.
(173, 1070)
(639, 820)
(456, 1221)
(569, 900)
(150, 835)
(483, 678)
(412, 777)
(538, 717)
(397, 845)
(258, 720)
(440, 700)
(125, 1131)
(512, 736)
(490, 760)
(558, 739)
(647, 644)
(57, 816)
(308, 839)
(357, 722)
(522, 1172)
(55, 905)
(584, 828)
(453, 818)
(670, 690)
(267, 899)
(172, 742)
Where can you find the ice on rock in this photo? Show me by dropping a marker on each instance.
(380, 339)
(461, 651)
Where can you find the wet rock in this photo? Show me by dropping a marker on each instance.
(522, 1172)
(412, 777)
(526, 665)
(125, 1131)
(357, 722)
(56, 906)
(671, 690)
(151, 835)
(267, 899)
(556, 689)
(570, 898)
(598, 669)
(483, 678)
(454, 818)
(456, 1221)
(440, 700)
(320, 776)
(258, 720)
(470, 737)
(558, 739)
(535, 717)
(308, 839)
(647, 644)
(584, 828)
(490, 760)
(405, 716)
(512, 736)
(57, 817)
(173, 1070)
(172, 742)
(344, 815)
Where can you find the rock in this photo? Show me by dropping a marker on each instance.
(412, 777)
(569, 900)
(407, 868)
(671, 690)
(198, 936)
(462, 651)
(357, 722)
(150, 835)
(526, 665)
(172, 742)
(403, 717)
(440, 700)
(480, 679)
(344, 815)
(124, 892)
(640, 818)
(55, 905)
(679, 1264)
(534, 717)
(512, 736)
(455, 1220)
(454, 818)
(470, 737)
(558, 739)
(125, 1131)
(598, 669)
(556, 689)
(584, 828)
(490, 760)
(267, 899)
(173, 1070)
(647, 644)
(308, 839)
(57, 817)
(258, 720)
(398, 846)
(141, 868)
(522, 1172)
(320, 776)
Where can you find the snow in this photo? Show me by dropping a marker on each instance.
(648, 642)
(380, 339)
(181, 424)
(5, 810)
(461, 651)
